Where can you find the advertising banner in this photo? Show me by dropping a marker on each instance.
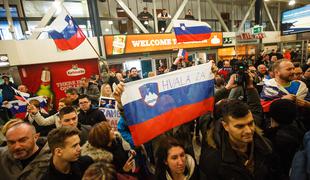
(296, 20)
(53, 79)
(124, 44)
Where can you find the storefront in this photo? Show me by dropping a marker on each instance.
(149, 51)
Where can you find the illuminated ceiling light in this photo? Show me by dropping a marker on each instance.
(56, 3)
(146, 23)
(110, 22)
(291, 2)
(107, 29)
(266, 0)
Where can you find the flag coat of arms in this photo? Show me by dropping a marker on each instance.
(155, 105)
(65, 32)
(188, 30)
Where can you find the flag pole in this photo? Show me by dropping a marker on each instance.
(82, 33)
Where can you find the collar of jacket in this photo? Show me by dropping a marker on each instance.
(261, 146)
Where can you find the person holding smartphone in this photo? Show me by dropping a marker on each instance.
(104, 144)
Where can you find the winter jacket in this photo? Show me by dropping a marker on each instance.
(223, 163)
(91, 117)
(286, 140)
(84, 132)
(11, 169)
(96, 154)
(300, 164)
(77, 170)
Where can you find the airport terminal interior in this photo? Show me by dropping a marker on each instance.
(154, 89)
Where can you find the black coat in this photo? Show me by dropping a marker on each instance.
(76, 172)
(91, 117)
(223, 163)
(286, 141)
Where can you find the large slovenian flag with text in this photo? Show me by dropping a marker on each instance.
(65, 32)
(188, 30)
(155, 105)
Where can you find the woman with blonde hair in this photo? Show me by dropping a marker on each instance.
(106, 90)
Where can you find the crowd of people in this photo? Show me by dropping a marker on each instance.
(257, 126)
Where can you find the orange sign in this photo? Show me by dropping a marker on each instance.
(124, 44)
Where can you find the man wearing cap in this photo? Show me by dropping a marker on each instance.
(7, 91)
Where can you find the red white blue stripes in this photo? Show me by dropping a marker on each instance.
(65, 32)
(188, 30)
(180, 97)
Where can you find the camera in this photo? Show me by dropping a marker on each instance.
(240, 69)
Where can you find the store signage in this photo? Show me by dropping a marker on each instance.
(124, 44)
(75, 71)
(249, 36)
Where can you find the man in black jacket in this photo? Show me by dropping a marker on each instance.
(68, 117)
(88, 114)
(235, 148)
(66, 162)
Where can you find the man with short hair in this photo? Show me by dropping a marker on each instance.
(66, 162)
(89, 115)
(89, 89)
(235, 148)
(133, 75)
(68, 117)
(73, 95)
(283, 86)
(24, 157)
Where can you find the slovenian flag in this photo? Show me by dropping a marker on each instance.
(19, 108)
(65, 32)
(155, 105)
(184, 54)
(188, 30)
(21, 95)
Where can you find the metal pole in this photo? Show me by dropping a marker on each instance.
(218, 15)
(132, 16)
(9, 18)
(177, 14)
(269, 16)
(155, 16)
(232, 16)
(279, 16)
(258, 12)
(246, 15)
(95, 21)
(199, 10)
(45, 19)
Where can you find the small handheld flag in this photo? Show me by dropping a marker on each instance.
(183, 53)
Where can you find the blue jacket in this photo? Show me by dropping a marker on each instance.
(301, 162)
(122, 127)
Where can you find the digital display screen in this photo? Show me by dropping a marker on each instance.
(296, 20)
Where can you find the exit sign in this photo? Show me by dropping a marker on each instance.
(257, 29)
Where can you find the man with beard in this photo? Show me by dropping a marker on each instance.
(235, 147)
(283, 86)
(24, 157)
(66, 162)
